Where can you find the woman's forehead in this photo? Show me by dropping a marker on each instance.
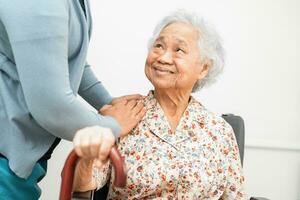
(174, 39)
(178, 32)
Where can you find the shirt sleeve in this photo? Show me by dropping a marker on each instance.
(234, 172)
(38, 34)
(92, 90)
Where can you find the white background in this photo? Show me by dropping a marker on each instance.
(260, 81)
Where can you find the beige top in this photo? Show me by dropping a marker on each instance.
(200, 160)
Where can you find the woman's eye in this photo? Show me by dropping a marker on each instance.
(180, 50)
(158, 45)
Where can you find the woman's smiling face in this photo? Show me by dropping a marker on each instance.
(173, 61)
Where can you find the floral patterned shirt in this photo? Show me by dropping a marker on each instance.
(200, 160)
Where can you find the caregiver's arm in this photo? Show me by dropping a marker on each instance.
(93, 91)
(39, 39)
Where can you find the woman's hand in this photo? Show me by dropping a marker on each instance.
(94, 143)
(127, 110)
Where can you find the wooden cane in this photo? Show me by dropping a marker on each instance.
(67, 175)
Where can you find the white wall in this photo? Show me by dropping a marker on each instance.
(272, 173)
(260, 81)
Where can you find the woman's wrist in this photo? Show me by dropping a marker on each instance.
(83, 180)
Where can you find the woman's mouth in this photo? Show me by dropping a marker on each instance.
(162, 71)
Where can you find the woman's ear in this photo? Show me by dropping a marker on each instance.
(205, 67)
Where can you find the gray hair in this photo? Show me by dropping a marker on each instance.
(209, 43)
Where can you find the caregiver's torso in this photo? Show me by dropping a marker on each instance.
(25, 28)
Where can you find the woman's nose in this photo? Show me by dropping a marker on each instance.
(166, 57)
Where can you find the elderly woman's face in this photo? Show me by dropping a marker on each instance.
(174, 60)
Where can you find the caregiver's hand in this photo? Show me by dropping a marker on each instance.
(136, 97)
(127, 110)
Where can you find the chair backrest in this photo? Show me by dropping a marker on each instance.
(238, 125)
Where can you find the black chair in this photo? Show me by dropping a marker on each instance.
(238, 125)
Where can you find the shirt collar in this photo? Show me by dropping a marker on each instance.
(158, 124)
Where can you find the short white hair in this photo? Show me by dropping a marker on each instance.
(209, 43)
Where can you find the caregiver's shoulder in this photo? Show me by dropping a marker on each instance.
(19, 9)
(32, 19)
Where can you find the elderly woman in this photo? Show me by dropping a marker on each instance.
(179, 150)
